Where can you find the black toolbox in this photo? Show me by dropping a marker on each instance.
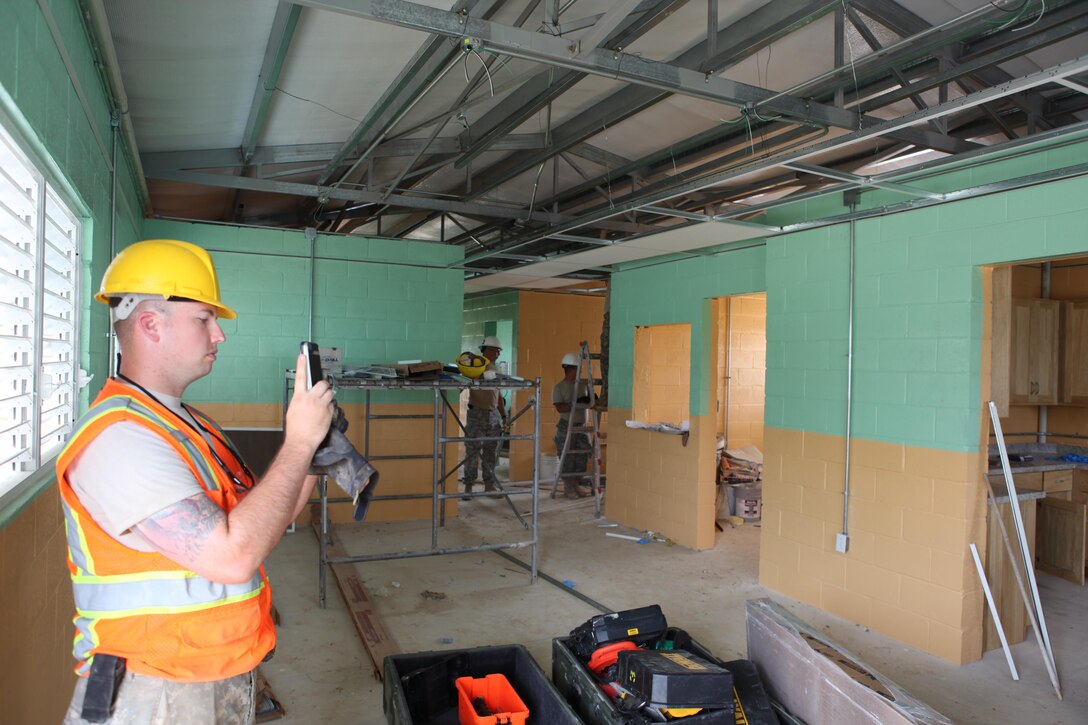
(418, 688)
(638, 625)
(675, 679)
(579, 687)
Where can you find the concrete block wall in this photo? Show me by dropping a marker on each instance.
(661, 389)
(550, 325)
(40, 106)
(912, 513)
(747, 340)
(917, 403)
(377, 300)
(663, 482)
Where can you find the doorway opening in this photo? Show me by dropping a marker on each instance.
(739, 365)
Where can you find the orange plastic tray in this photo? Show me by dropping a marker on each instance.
(500, 697)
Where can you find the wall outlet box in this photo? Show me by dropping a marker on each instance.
(842, 543)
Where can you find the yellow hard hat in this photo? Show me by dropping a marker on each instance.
(164, 267)
(472, 365)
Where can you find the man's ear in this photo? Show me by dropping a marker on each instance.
(148, 324)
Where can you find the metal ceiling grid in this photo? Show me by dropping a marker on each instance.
(552, 139)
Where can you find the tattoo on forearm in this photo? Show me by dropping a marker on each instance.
(180, 531)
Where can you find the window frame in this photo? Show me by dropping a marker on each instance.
(54, 199)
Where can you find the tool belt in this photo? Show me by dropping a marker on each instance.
(103, 683)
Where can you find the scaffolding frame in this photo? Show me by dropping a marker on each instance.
(438, 495)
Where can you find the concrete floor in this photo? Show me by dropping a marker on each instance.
(321, 672)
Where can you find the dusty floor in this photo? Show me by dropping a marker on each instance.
(321, 673)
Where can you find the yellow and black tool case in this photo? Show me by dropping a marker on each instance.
(586, 694)
(675, 679)
(638, 625)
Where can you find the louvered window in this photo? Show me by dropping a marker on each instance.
(39, 271)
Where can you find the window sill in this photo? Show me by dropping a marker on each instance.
(681, 430)
(13, 502)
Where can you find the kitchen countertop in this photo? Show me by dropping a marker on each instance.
(1044, 458)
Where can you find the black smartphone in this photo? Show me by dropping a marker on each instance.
(313, 363)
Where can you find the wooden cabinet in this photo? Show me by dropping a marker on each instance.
(1060, 538)
(1024, 363)
(1074, 380)
(1033, 351)
(999, 573)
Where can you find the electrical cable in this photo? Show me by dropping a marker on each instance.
(307, 100)
(1042, 9)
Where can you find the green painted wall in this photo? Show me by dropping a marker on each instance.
(492, 313)
(41, 105)
(378, 300)
(918, 310)
(678, 291)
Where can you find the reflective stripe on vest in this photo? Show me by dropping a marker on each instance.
(149, 592)
(157, 592)
(76, 544)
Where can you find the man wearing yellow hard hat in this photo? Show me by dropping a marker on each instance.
(167, 527)
(486, 418)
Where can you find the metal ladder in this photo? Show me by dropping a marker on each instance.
(583, 377)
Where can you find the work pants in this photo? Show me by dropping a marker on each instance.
(481, 422)
(146, 700)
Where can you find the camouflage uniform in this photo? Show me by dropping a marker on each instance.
(143, 699)
(481, 422)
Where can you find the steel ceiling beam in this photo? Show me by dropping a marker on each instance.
(604, 27)
(617, 65)
(1068, 27)
(860, 181)
(548, 85)
(1049, 75)
(227, 181)
(279, 40)
(428, 62)
(308, 153)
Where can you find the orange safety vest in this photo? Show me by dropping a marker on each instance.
(165, 620)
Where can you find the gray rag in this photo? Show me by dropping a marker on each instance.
(338, 459)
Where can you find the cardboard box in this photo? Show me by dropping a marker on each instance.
(332, 360)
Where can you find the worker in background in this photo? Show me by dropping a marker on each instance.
(571, 398)
(486, 418)
(167, 527)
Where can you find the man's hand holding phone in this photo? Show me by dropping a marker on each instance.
(311, 409)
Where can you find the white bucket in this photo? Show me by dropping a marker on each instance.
(749, 502)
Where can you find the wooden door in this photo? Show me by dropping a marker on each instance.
(1059, 543)
(1074, 376)
(1045, 328)
(1021, 383)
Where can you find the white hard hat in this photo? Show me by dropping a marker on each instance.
(570, 358)
(491, 341)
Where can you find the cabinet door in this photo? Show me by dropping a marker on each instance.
(1045, 327)
(1074, 381)
(1059, 542)
(1033, 351)
(1021, 383)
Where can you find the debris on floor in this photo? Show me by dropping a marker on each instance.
(268, 707)
(428, 594)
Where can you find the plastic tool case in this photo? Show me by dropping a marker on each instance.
(582, 690)
(419, 689)
(675, 679)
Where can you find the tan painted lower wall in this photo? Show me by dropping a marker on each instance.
(387, 437)
(656, 482)
(913, 511)
(36, 611)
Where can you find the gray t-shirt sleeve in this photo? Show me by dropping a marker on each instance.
(126, 474)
